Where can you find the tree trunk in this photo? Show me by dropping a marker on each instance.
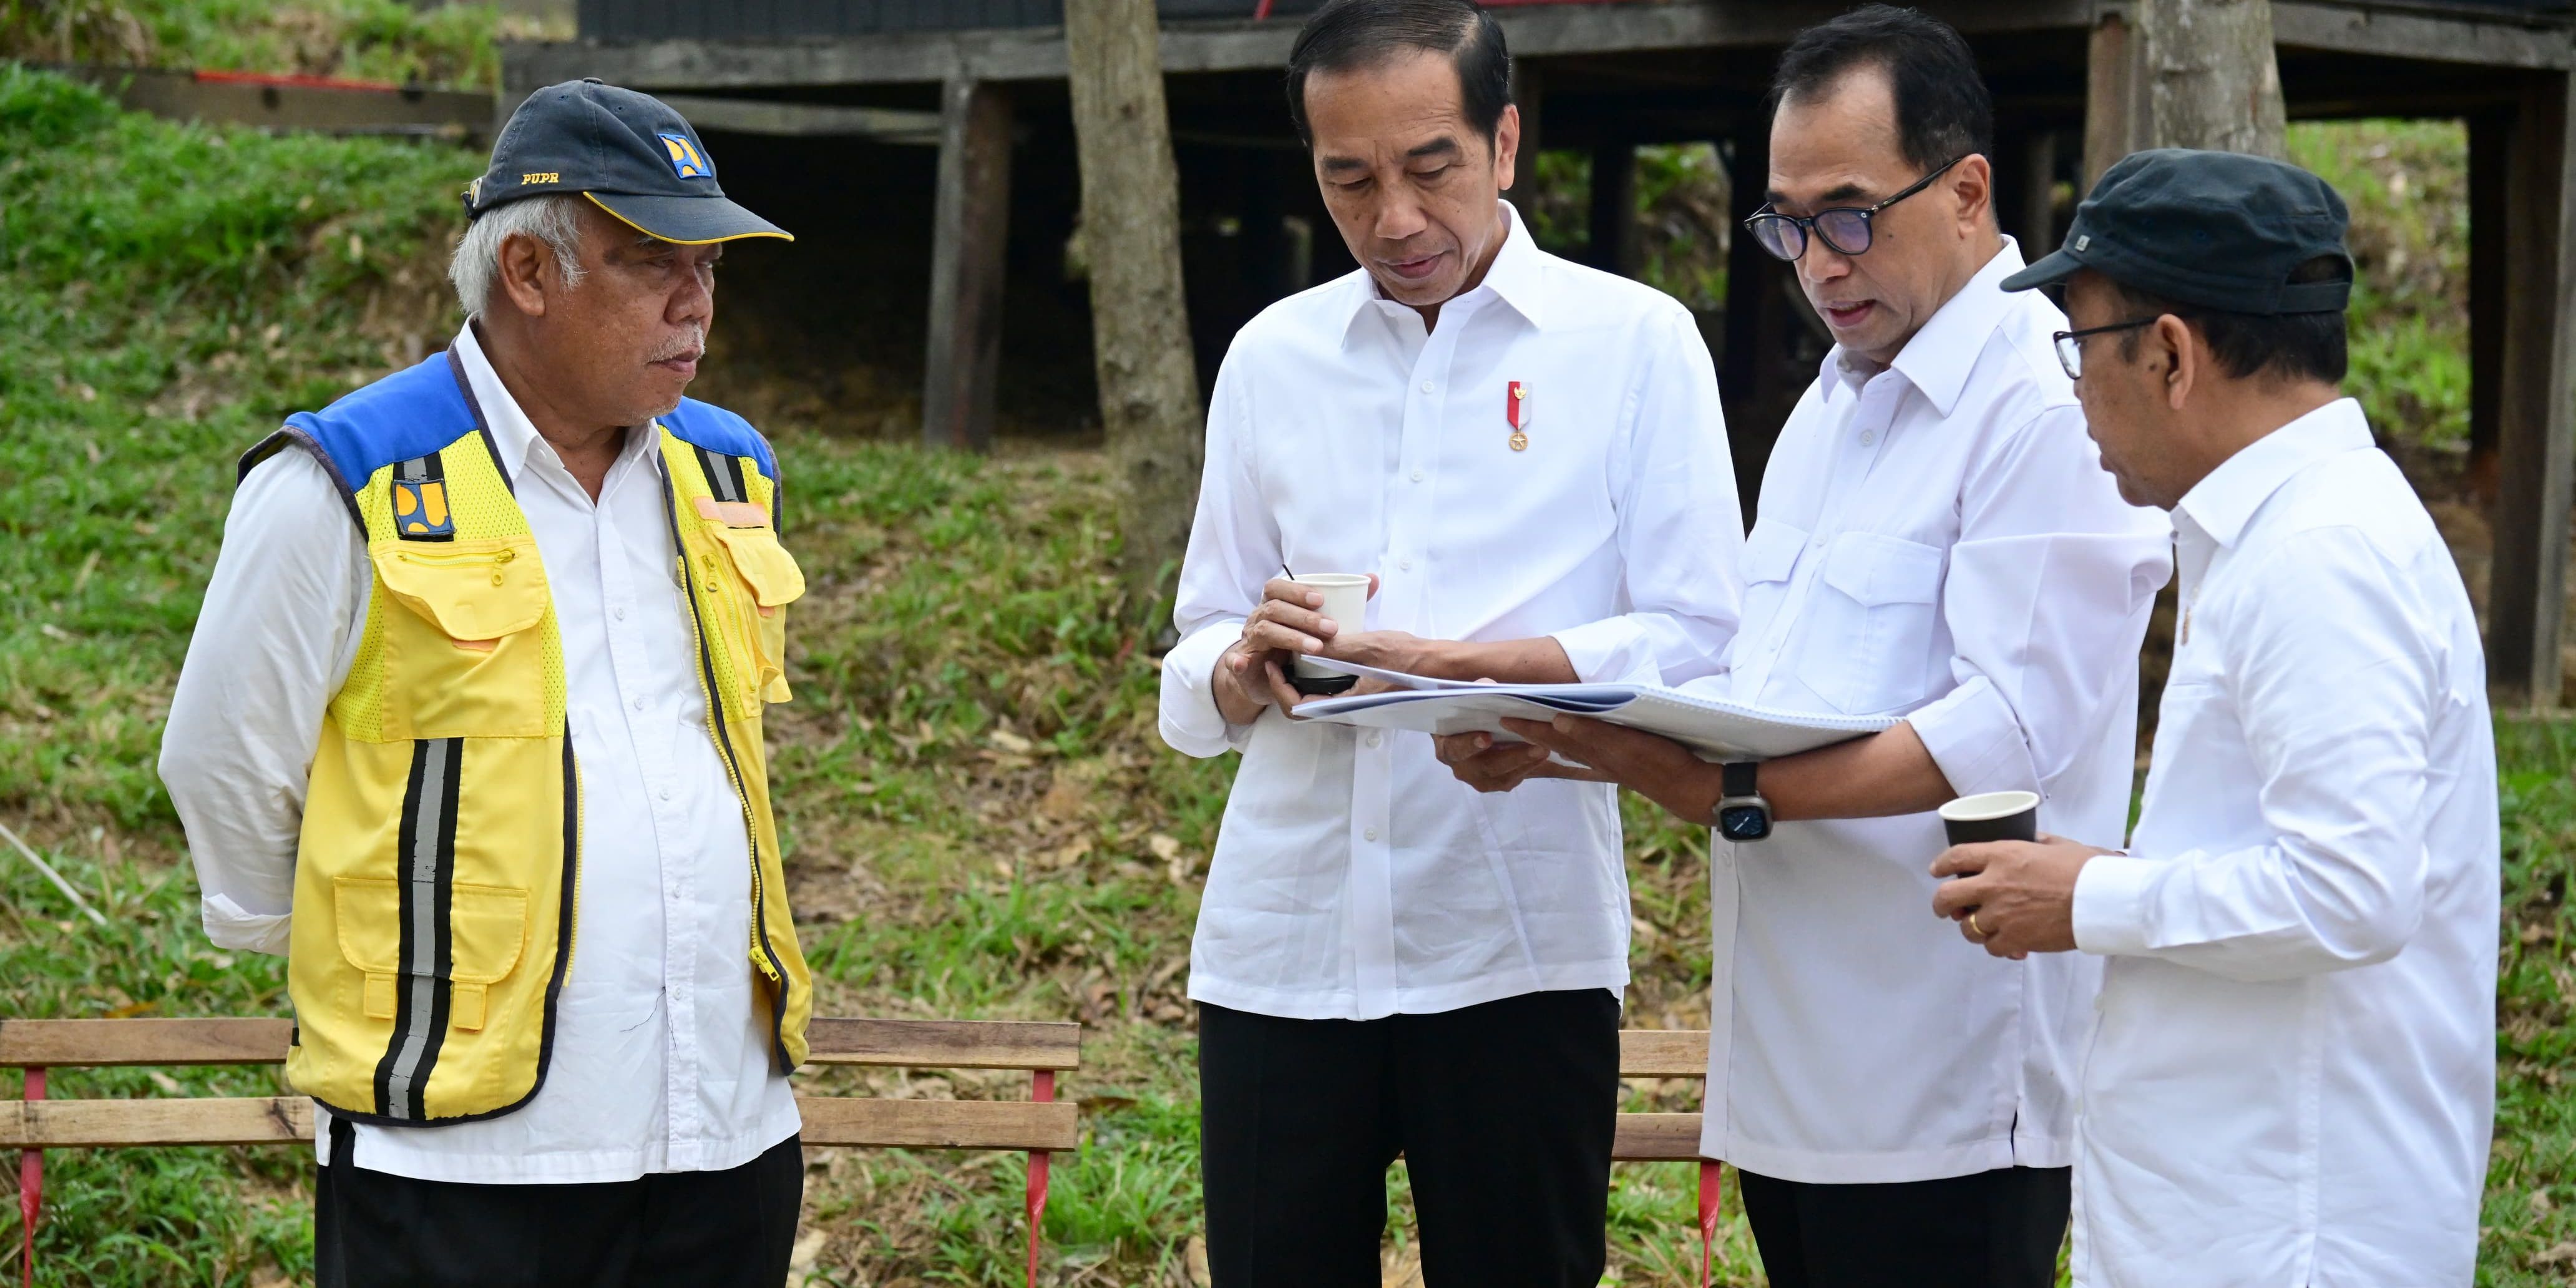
(2183, 74)
(1131, 236)
(2212, 79)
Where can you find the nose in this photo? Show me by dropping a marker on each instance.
(1398, 217)
(1822, 263)
(694, 299)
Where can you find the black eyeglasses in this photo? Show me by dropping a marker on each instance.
(2070, 350)
(1844, 229)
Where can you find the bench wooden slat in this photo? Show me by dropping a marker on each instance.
(1663, 1053)
(279, 1120)
(1656, 1138)
(205, 1120)
(100, 1043)
(926, 1044)
(941, 1124)
(946, 1044)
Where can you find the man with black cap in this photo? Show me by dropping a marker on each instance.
(470, 731)
(2293, 1076)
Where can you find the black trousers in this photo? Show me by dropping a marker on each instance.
(1503, 1112)
(1998, 1229)
(728, 1229)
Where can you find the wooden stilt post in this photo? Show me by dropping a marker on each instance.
(1614, 208)
(2116, 116)
(2038, 193)
(2490, 157)
(2527, 594)
(967, 246)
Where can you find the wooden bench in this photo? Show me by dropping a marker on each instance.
(1038, 1125)
(33, 1124)
(1670, 1138)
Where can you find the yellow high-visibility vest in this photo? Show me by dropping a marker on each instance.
(437, 875)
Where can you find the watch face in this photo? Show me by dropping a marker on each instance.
(1743, 823)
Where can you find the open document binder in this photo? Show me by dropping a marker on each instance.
(1714, 727)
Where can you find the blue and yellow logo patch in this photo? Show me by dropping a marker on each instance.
(420, 509)
(686, 160)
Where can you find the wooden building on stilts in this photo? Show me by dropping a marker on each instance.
(923, 151)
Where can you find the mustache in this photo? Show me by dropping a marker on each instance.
(688, 344)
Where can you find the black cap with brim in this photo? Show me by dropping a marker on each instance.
(689, 221)
(628, 152)
(2220, 230)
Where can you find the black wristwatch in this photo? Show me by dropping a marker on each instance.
(1742, 814)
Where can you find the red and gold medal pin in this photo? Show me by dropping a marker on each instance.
(1516, 411)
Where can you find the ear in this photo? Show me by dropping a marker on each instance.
(2184, 358)
(1507, 146)
(1972, 182)
(527, 267)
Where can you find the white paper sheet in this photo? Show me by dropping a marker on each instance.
(1713, 727)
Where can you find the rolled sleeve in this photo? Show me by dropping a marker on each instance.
(1977, 740)
(274, 640)
(1190, 720)
(2046, 599)
(1681, 526)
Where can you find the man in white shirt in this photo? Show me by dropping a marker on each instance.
(1935, 541)
(529, 546)
(1530, 457)
(2294, 1077)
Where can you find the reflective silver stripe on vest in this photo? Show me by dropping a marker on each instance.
(428, 865)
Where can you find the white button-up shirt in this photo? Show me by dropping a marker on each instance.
(661, 1048)
(1936, 539)
(2294, 1077)
(1354, 876)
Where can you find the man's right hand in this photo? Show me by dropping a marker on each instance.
(1253, 672)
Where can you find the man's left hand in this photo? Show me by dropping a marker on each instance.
(1656, 768)
(2013, 898)
(1389, 651)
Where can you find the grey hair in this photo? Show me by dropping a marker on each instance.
(554, 219)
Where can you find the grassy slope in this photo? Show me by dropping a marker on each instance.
(981, 821)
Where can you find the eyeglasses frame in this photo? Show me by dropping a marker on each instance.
(1806, 224)
(2058, 340)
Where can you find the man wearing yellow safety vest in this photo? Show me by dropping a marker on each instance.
(471, 731)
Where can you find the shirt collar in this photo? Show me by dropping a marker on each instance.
(1941, 354)
(2224, 501)
(514, 437)
(1517, 277)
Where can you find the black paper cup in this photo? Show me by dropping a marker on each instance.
(1321, 686)
(1992, 816)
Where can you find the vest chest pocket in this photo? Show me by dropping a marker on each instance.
(486, 932)
(460, 657)
(766, 581)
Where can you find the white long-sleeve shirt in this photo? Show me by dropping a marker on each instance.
(1936, 539)
(2294, 1078)
(661, 1049)
(1354, 876)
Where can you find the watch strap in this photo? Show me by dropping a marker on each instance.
(1736, 777)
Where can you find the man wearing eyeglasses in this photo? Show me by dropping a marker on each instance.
(1936, 541)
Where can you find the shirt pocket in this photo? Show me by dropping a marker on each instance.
(461, 659)
(1870, 623)
(1770, 556)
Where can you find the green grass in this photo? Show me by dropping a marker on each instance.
(980, 820)
(2407, 185)
(447, 43)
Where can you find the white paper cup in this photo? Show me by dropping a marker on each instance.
(1345, 601)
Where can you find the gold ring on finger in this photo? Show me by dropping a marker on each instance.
(1980, 931)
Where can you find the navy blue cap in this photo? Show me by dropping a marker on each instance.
(2222, 230)
(628, 152)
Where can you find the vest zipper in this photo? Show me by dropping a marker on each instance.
(767, 961)
(495, 558)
